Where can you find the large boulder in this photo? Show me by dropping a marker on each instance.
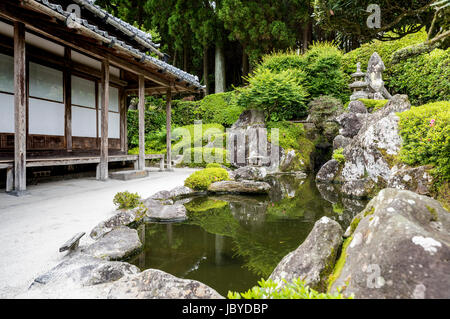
(371, 155)
(119, 244)
(351, 123)
(164, 213)
(341, 141)
(314, 259)
(357, 107)
(323, 112)
(239, 187)
(85, 270)
(250, 173)
(156, 284)
(121, 218)
(416, 179)
(399, 247)
(328, 171)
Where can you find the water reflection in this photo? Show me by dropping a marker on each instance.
(230, 242)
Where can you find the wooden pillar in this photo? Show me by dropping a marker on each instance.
(20, 126)
(169, 128)
(68, 99)
(103, 168)
(141, 108)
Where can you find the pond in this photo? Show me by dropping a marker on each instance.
(230, 242)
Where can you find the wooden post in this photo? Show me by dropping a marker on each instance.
(20, 125)
(103, 168)
(141, 108)
(68, 99)
(169, 128)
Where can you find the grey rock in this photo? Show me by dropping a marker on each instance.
(351, 123)
(119, 244)
(250, 173)
(180, 192)
(156, 284)
(240, 187)
(84, 270)
(328, 171)
(314, 259)
(164, 213)
(357, 107)
(121, 218)
(400, 249)
(341, 141)
(416, 179)
(358, 188)
(374, 77)
(161, 195)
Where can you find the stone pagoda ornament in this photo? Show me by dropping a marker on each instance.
(370, 85)
(359, 86)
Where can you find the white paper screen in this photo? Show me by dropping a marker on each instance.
(46, 118)
(84, 122)
(46, 83)
(6, 73)
(6, 113)
(83, 92)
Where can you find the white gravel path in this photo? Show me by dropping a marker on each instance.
(32, 228)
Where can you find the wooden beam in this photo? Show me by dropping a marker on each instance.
(103, 168)
(169, 128)
(141, 108)
(123, 122)
(20, 137)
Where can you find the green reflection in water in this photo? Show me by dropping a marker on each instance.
(230, 242)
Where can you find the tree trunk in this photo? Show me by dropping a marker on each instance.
(185, 59)
(305, 37)
(220, 81)
(206, 69)
(245, 66)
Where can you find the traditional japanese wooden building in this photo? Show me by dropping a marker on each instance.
(66, 70)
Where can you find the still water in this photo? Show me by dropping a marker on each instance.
(231, 242)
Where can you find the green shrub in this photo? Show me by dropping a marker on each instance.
(214, 108)
(319, 71)
(279, 94)
(211, 152)
(425, 78)
(324, 69)
(155, 120)
(296, 289)
(425, 131)
(126, 200)
(338, 155)
(374, 105)
(200, 180)
(213, 165)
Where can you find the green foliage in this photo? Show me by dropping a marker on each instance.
(126, 200)
(200, 180)
(218, 108)
(374, 105)
(425, 131)
(210, 154)
(213, 165)
(338, 155)
(278, 94)
(155, 120)
(425, 77)
(323, 67)
(296, 289)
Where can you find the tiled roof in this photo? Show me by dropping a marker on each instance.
(163, 66)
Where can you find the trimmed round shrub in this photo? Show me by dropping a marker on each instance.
(200, 180)
(126, 200)
(213, 165)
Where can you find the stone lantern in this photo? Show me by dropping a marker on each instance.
(359, 86)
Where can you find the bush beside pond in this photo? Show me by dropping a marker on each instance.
(200, 180)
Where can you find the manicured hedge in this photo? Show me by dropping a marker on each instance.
(425, 131)
(200, 180)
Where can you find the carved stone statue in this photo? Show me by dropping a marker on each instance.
(374, 77)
